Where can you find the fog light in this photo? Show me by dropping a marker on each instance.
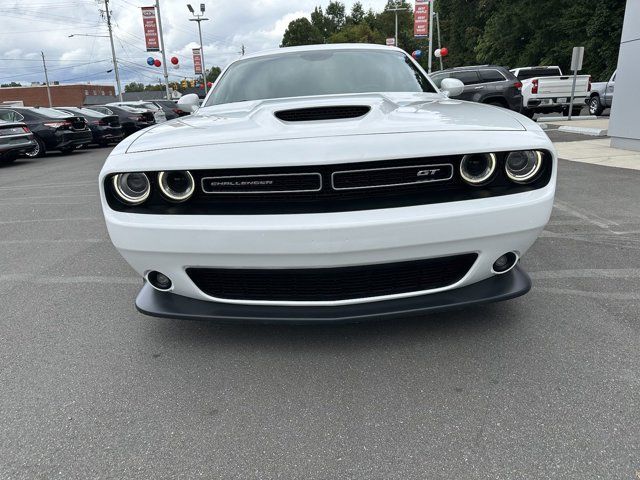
(478, 168)
(159, 281)
(505, 263)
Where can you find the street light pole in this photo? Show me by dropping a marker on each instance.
(46, 79)
(199, 17)
(164, 55)
(396, 10)
(430, 35)
(113, 49)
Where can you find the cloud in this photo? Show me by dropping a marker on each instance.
(32, 26)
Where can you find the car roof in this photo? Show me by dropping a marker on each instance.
(469, 67)
(321, 47)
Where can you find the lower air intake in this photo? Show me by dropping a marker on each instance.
(329, 284)
(322, 113)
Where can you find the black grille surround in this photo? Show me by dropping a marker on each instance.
(323, 113)
(332, 284)
(332, 199)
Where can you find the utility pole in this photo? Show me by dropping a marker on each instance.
(46, 78)
(164, 55)
(199, 17)
(113, 49)
(396, 10)
(430, 35)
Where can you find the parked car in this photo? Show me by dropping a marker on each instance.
(131, 119)
(15, 138)
(170, 109)
(105, 129)
(546, 89)
(485, 84)
(52, 129)
(328, 183)
(158, 113)
(601, 95)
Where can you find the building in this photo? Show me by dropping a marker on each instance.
(72, 95)
(624, 127)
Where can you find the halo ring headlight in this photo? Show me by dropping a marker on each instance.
(523, 166)
(478, 168)
(132, 188)
(176, 186)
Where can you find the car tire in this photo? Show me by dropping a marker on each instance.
(576, 111)
(595, 107)
(527, 113)
(8, 158)
(38, 151)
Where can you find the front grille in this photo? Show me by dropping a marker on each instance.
(323, 113)
(331, 284)
(346, 187)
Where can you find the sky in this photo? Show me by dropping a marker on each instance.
(28, 27)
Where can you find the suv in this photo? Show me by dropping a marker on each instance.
(485, 84)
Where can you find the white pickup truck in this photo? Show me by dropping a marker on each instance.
(545, 89)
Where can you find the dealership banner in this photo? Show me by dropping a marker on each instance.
(421, 19)
(150, 29)
(197, 61)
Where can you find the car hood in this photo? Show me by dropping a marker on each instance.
(255, 121)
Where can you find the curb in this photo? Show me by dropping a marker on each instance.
(594, 132)
(564, 119)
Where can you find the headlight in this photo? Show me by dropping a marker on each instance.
(523, 166)
(132, 188)
(176, 186)
(477, 168)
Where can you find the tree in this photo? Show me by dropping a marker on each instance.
(213, 73)
(301, 32)
(12, 84)
(335, 16)
(357, 14)
(134, 87)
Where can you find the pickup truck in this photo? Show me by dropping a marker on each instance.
(545, 89)
(601, 95)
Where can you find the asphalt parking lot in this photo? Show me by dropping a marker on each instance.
(543, 386)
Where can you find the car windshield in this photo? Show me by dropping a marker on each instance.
(320, 72)
(85, 112)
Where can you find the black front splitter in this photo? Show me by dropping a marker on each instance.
(494, 289)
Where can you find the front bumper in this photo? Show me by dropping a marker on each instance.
(493, 289)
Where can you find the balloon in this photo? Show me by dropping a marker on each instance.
(202, 85)
(416, 53)
(444, 51)
(174, 60)
(437, 53)
(209, 84)
(157, 62)
(150, 61)
(176, 66)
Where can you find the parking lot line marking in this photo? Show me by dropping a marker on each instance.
(49, 185)
(36, 220)
(587, 273)
(584, 293)
(56, 279)
(597, 221)
(59, 240)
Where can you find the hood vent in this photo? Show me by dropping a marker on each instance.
(323, 113)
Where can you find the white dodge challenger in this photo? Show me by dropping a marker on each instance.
(328, 183)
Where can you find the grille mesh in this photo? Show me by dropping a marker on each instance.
(326, 284)
(322, 113)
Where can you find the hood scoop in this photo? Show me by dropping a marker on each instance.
(323, 113)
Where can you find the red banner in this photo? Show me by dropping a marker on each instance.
(197, 61)
(150, 29)
(421, 19)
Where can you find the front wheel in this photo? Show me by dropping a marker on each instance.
(38, 151)
(595, 107)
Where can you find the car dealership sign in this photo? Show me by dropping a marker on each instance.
(421, 19)
(197, 61)
(150, 29)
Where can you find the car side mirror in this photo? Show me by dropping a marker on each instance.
(452, 86)
(189, 103)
